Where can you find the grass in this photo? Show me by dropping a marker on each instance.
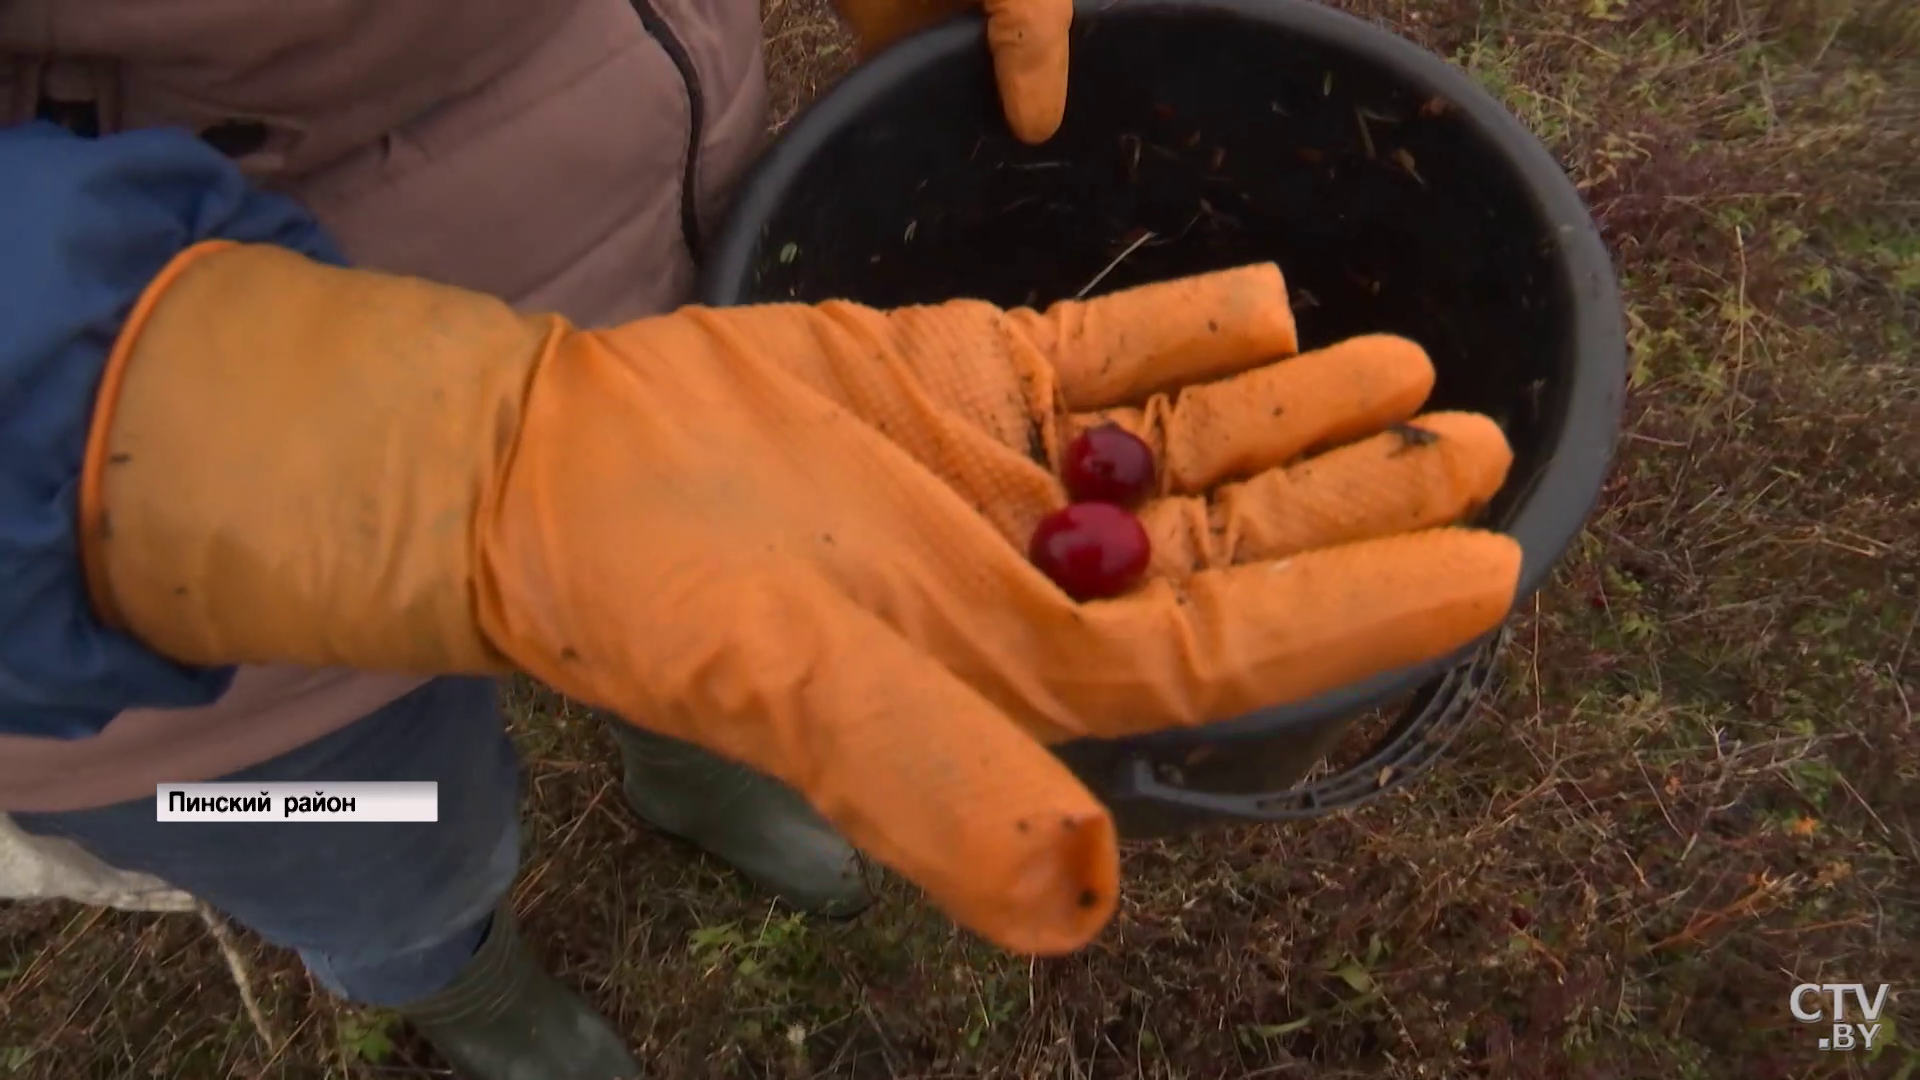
(1699, 786)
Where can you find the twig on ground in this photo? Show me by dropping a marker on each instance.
(242, 974)
(1747, 906)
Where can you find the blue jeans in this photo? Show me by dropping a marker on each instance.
(382, 913)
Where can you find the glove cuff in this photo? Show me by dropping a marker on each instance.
(287, 459)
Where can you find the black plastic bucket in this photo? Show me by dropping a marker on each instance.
(1394, 194)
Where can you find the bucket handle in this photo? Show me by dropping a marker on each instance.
(1437, 714)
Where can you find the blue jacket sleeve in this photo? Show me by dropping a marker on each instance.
(85, 224)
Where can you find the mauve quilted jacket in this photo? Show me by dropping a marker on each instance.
(563, 154)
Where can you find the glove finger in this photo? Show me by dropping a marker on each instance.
(1271, 415)
(979, 396)
(1434, 471)
(1120, 348)
(911, 764)
(1029, 43)
(1223, 643)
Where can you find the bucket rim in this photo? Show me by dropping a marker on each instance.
(1552, 509)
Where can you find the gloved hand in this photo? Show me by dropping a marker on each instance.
(792, 534)
(1028, 39)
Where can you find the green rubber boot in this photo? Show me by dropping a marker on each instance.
(754, 823)
(505, 1019)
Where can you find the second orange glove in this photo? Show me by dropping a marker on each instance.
(1028, 39)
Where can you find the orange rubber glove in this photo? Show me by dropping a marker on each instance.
(792, 534)
(1028, 39)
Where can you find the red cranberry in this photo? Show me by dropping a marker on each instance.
(1108, 464)
(1091, 550)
